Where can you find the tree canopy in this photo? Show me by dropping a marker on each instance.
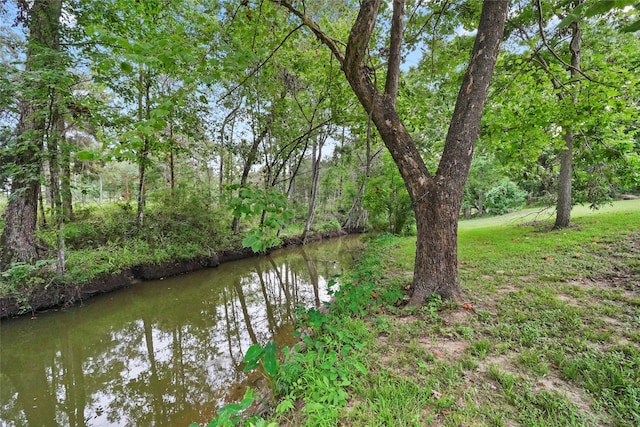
(307, 116)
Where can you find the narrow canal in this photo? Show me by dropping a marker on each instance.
(160, 353)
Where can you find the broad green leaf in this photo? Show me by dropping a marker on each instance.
(270, 360)
(248, 399)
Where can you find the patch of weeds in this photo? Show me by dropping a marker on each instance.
(391, 400)
(480, 348)
(537, 407)
(381, 324)
(319, 375)
(463, 331)
(613, 378)
(534, 361)
(469, 363)
(484, 316)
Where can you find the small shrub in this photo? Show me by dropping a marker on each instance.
(325, 227)
(504, 197)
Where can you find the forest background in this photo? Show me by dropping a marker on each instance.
(160, 131)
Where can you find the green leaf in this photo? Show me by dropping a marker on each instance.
(603, 6)
(254, 353)
(250, 241)
(568, 20)
(631, 28)
(126, 67)
(248, 399)
(360, 367)
(270, 361)
(284, 406)
(87, 155)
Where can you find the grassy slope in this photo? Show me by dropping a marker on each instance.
(547, 333)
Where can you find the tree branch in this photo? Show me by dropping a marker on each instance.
(395, 50)
(255, 70)
(332, 44)
(359, 37)
(553, 52)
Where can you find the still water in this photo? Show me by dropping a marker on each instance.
(160, 353)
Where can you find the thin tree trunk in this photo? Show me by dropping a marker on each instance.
(65, 180)
(357, 216)
(55, 132)
(315, 179)
(142, 161)
(251, 157)
(143, 112)
(101, 196)
(229, 118)
(43, 214)
(564, 203)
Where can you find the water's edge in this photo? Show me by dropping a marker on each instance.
(56, 295)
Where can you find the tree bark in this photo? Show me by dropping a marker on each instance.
(564, 202)
(436, 198)
(17, 242)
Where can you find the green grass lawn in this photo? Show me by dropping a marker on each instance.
(546, 333)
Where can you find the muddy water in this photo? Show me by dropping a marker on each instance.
(160, 353)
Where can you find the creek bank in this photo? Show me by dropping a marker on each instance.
(55, 294)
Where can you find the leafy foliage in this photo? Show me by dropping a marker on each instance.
(269, 205)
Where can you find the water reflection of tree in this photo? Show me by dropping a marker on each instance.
(162, 353)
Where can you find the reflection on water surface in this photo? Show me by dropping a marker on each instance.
(161, 353)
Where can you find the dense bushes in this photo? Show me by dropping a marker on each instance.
(504, 197)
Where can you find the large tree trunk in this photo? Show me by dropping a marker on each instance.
(436, 198)
(564, 203)
(17, 242)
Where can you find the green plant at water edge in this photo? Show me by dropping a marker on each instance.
(320, 374)
(266, 360)
(325, 227)
(230, 415)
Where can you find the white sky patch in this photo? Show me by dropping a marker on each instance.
(68, 19)
(464, 33)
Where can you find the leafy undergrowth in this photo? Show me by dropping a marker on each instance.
(546, 334)
(106, 239)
